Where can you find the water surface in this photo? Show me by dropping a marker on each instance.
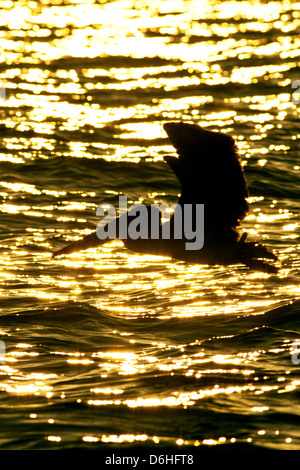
(107, 347)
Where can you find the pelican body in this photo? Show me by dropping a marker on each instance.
(210, 173)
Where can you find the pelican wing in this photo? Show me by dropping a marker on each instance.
(210, 173)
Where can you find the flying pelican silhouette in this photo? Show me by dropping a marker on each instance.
(210, 173)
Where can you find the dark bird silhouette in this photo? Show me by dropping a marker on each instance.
(210, 173)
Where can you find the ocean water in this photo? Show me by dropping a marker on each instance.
(108, 348)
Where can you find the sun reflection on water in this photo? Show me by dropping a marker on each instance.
(88, 85)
